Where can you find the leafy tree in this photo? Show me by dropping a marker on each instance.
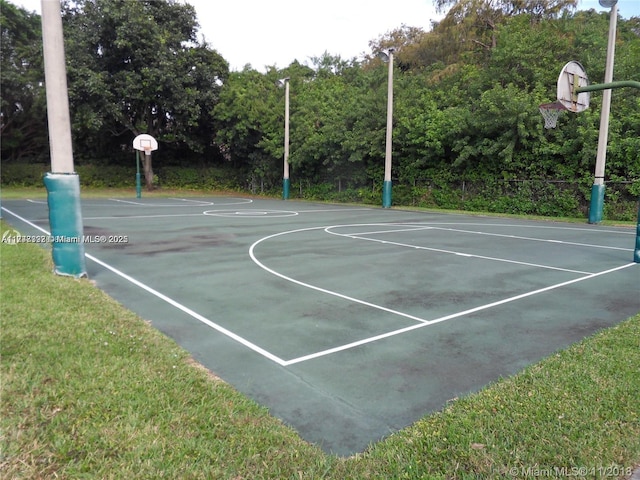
(332, 136)
(423, 131)
(250, 121)
(466, 98)
(471, 26)
(23, 118)
(540, 8)
(137, 67)
(401, 39)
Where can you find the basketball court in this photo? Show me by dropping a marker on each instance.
(350, 323)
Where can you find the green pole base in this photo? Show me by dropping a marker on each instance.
(286, 184)
(386, 194)
(138, 186)
(65, 220)
(597, 203)
(636, 252)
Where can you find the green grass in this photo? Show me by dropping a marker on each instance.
(41, 192)
(90, 390)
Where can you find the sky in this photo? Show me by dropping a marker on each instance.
(266, 33)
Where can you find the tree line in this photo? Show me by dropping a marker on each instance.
(466, 98)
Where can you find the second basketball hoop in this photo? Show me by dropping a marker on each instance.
(551, 112)
(572, 77)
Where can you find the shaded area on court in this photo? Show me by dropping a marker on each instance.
(350, 323)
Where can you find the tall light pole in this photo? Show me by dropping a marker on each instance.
(286, 183)
(597, 190)
(62, 183)
(386, 186)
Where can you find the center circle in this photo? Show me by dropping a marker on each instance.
(250, 213)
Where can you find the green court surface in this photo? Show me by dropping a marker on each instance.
(350, 323)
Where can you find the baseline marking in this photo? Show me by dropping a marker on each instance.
(227, 213)
(426, 323)
(126, 217)
(533, 239)
(186, 202)
(622, 230)
(193, 203)
(169, 300)
(421, 321)
(336, 210)
(434, 226)
(280, 361)
(190, 312)
(451, 252)
(251, 213)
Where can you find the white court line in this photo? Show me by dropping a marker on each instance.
(221, 215)
(191, 313)
(398, 230)
(314, 287)
(284, 363)
(168, 300)
(623, 230)
(451, 252)
(198, 203)
(26, 221)
(186, 202)
(426, 323)
(336, 210)
(421, 321)
(434, 226)
(470, 255)
(533, 239)
(127, 217)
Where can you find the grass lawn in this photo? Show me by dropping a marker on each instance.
(90, 390)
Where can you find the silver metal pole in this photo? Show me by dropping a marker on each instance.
(597, 191)
(286, 181)
(56, 87)
(286, 129)
(62, 183)
(386, 188)
(387, 155)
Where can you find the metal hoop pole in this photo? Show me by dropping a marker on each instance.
(286, 182)
(62, 183)
(636, 252)
(597, 190)
(386, 186)
(138, 185)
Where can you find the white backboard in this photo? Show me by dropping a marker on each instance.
(145, 143)
(572, 77)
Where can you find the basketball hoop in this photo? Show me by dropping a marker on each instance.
(550, 112)
(145, 143)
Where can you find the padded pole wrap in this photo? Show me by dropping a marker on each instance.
(65, 219)
(386, 194)
(596, 207)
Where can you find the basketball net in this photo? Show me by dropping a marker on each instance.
(550, 112)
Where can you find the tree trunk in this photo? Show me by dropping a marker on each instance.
(148, 170)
